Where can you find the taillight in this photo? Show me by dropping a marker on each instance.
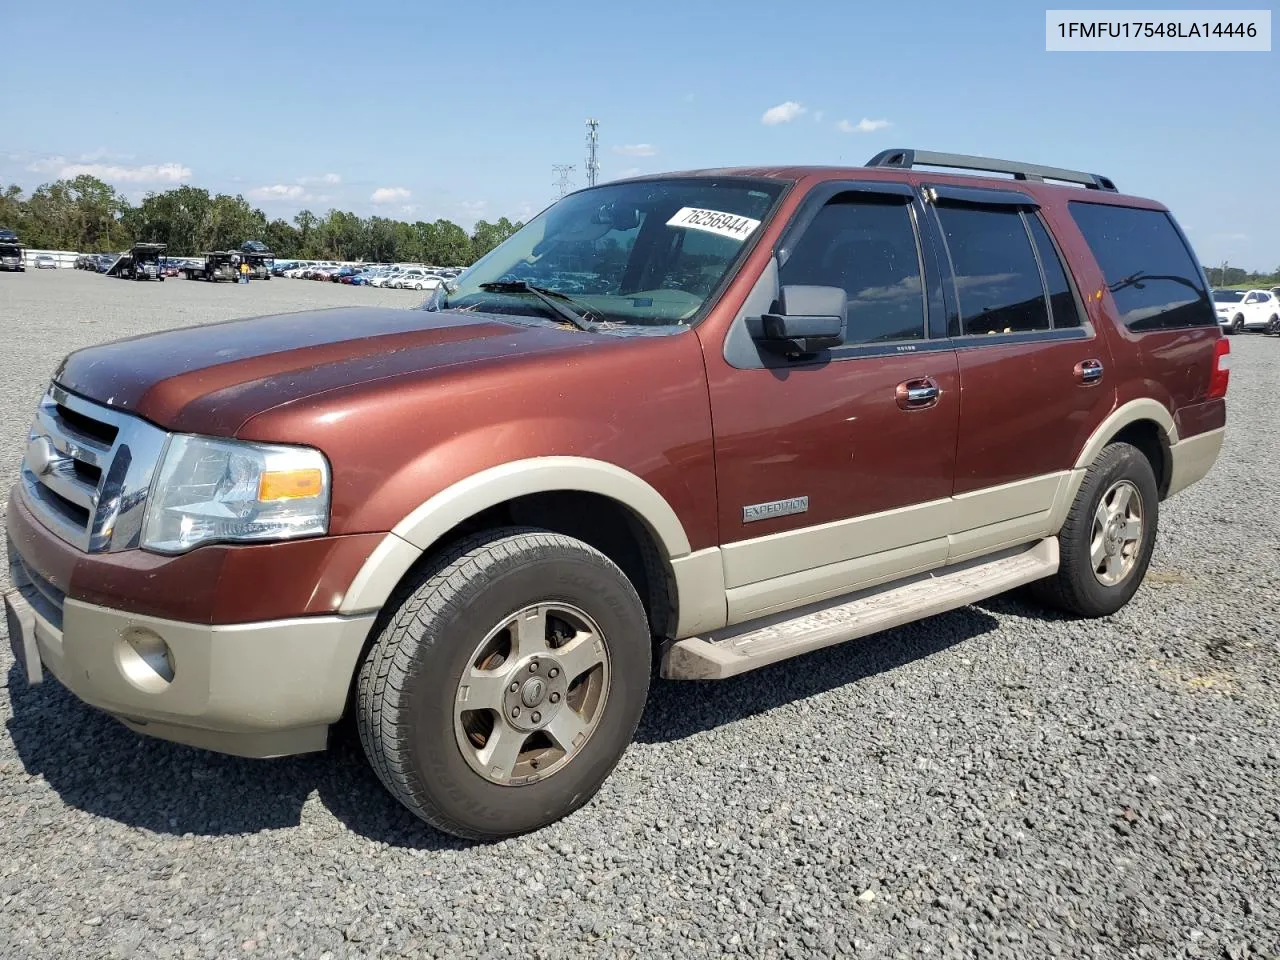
(1221, 368)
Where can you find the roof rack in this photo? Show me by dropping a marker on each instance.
(906, 159)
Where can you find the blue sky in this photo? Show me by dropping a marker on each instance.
(459, 110)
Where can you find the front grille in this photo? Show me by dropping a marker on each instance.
(87, 470)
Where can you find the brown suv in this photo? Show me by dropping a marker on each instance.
(707, 420)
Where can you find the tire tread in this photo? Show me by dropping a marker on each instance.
(406, 642)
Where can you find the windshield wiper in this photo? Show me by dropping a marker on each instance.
(556, 301)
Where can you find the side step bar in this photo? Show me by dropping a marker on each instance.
(747, 646)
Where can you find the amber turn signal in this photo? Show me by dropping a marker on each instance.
(290, 484)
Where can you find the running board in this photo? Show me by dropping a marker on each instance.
(726, 653)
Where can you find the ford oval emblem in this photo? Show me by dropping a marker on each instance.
(40, 456)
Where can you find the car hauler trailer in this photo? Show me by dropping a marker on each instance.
(142, 262)
(11, 252)
(219, 265)
(259, 258)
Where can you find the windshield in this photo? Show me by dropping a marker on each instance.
(646, 253)
(1228, 296)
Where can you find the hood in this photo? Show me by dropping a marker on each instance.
(211, 379)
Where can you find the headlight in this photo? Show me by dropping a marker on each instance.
(218, 490)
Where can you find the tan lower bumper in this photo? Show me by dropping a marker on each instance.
(254, 689)
(1193, 458)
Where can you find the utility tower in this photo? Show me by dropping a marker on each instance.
(593, 142)
(562, 184)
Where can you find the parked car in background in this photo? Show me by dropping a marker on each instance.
(1241, 310)
(386, 279)
(44, 261)
(415, 278)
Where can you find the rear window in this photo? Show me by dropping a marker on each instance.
(1150, 271)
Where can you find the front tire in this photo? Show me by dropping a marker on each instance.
(506, 683)
(1108, 536)
(1237, 325)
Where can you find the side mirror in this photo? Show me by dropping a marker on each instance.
(804, 320)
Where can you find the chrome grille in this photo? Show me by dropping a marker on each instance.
(87, 470)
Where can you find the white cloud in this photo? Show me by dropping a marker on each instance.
(280, 191)
(390, 194)
(862, 126)
(329, 178)
(636, 150)
(782, 113)
(146, 173)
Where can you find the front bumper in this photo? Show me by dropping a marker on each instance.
(253, 689)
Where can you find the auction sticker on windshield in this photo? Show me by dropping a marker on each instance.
(713, 221)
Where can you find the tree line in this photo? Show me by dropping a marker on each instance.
(89, 216)
(1230, 276)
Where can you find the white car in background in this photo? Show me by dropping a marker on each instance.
(1241, 310)
(385, 279)
(415, 278)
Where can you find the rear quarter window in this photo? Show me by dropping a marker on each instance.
(1151, 272)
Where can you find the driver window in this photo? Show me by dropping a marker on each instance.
(865, 245)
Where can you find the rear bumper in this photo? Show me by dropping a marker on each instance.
(252, 689)
(1193, 457)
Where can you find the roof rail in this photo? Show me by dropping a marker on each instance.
(906, 159)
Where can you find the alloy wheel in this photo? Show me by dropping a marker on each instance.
(1116, 541)
(531, 694)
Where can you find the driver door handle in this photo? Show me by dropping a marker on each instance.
(1089, 371)
(918, 394)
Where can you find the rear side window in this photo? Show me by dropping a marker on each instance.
(867, 247)
(1150, 272)
(1062, 302)
(997, 279)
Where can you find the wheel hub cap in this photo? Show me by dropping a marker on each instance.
(532, 694)
(1116, 542)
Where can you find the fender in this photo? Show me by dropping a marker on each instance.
(1141, 409)
(426, 524)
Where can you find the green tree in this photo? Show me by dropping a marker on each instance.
(487, 235)
(450, 247)
(283, 238)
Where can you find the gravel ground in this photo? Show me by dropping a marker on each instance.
(993, 782)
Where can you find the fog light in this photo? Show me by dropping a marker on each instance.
(145, 659)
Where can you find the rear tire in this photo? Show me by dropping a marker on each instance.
(504, 610)
(1101, 568)
(1273, 325)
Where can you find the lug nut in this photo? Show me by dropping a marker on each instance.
(515, 712)
(515, 685)
(537, 717)
(533, 667)
(555, 698)
(553, 672)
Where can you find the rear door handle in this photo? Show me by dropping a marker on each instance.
(919, 394)
(1089, 371)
